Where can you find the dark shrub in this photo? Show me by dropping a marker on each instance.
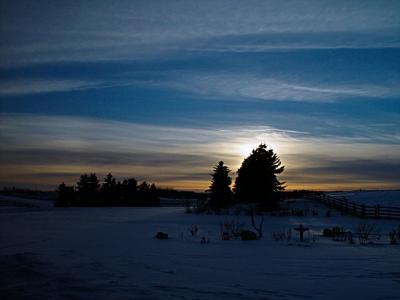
(161, 236)
(248, 235)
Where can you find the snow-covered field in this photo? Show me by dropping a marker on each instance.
(110, 253)
(28, 202)
(384, 198)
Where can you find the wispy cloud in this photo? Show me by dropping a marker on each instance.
(131, 29)
(321, 78)
(28, 86)
(296, 40)
(211, 85)
(233, 86)
(53, 149)
(35, 86)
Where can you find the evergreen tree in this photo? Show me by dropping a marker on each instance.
(109, 189)
(66, 195)
(129, 191)
(221, 194)
(109, 183)
(147, 194)
(256, 181)
(89, 192)
(153, 195)
(144, 187)
(88, 188)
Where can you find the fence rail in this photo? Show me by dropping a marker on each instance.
(353, 208)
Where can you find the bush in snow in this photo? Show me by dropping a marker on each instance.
(338, 234)
(193, 230)
(231, 229)
(393, 237)
(367, 233)
(398, 232)
(334, 232)
(282, 235)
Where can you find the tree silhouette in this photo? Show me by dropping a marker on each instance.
(66, 195)
(128, 190)
(256, 181)
(109, 183)
(88, 188)
(109, 188)
(153, 197)
(221, 194)
(89, 192)
(147, 194)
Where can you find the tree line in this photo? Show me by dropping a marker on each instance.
(90, 192)
(256, 181)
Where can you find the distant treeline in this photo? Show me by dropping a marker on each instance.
(90, 192)
(28, 193)
(176, 194)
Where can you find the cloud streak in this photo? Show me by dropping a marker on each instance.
(131, 29)
(42, 150)
(212, 86)
(192, 83)
(37, 86)
(228, 86)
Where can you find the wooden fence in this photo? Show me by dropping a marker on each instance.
(353, 208)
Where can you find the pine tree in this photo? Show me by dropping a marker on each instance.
(221, 194)
(109, 182)
(257, 181)
(147, 194)
(88, 188)
(153, 195)
(129, 190)
(109, 189)
(66, 195)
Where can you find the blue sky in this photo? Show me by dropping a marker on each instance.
(163, 90)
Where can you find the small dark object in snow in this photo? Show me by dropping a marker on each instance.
(193, 230)
(393, 237)
(327, 232)
(248, 235)
(336, 232)
(161, 236)
(205, 240)
(301, 229)
(225, 236)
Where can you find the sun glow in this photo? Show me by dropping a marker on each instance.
(245, 149)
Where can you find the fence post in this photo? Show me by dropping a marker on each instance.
(377, 211)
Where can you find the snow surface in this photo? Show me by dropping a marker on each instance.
(110, 253)
(383, 198)
(38, 203)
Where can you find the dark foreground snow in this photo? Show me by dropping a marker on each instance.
(110, 253)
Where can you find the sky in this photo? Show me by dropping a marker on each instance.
(163, 90)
